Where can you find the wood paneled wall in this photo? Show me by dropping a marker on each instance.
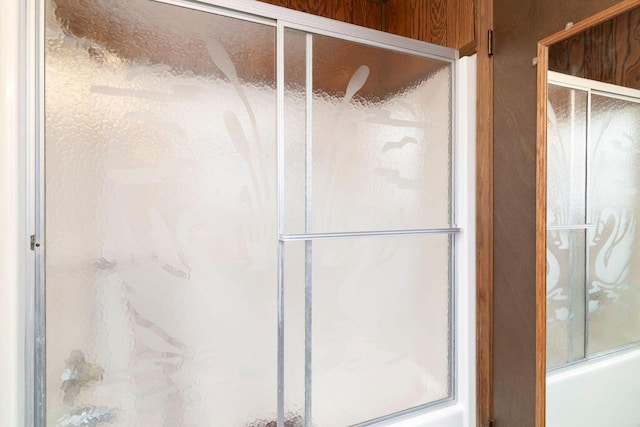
(444, 22)
(519, 24)
(609, 52)
(366, 13)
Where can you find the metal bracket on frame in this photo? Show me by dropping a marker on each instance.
(32, 242)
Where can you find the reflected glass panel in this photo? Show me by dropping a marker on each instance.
(566, 152)
(566, 276)
(614, 207)
(160, 195)
(380, 140)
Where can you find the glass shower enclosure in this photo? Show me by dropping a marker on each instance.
(242, 220)
(593, 280)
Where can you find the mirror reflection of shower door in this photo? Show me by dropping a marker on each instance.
(593, 286)
(178, 223)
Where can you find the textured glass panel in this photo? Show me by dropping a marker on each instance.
(566, 152)
(160, 184)
(294, 366)
(381, 140)
(381, 330)
(294, 131)
(565, 296)
(614, 207)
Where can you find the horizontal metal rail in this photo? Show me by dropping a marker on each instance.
(342, 235)
(571, 227)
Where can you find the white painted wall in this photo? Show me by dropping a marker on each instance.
(11, 280)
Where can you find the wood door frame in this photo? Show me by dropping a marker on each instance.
(484, 213)
(541, 190)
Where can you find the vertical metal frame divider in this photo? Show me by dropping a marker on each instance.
(280, 215)
(589, 232)
(308, 221)
(35, 339)
(37, 342)
(453, 237)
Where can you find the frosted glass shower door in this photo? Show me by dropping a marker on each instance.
(249, 222)
(160, 216)
(367, 231)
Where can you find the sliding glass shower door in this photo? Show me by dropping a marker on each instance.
(160, 216)
(248, 223)
(366, 223)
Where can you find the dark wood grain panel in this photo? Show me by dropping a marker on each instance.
(598, 52)
(317, 7)
(628, 73)
(437, 16)
(608, 52)
(445, 22)
(419, 19)
(569, 56)
(398, 15)
(283, 3)
(461, 31)
(366, 13)
(375, 16)
(345, 11)
(361, 12)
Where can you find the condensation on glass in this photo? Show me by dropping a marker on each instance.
(593, 282)
(162, 222)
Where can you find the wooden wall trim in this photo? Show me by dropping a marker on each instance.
(591, 21)
(541, 190)
(484, 215)
(541, 236)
